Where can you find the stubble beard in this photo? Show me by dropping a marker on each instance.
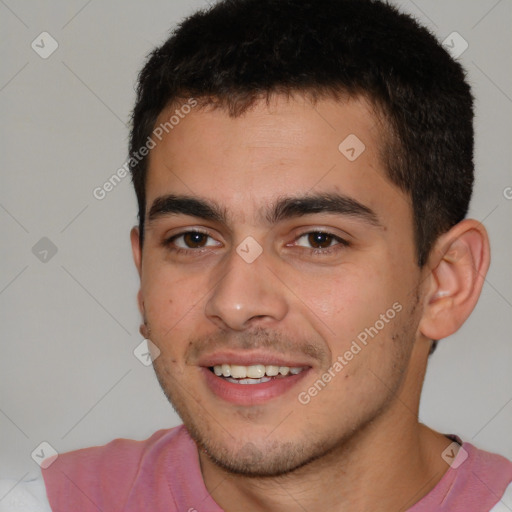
(261, 458)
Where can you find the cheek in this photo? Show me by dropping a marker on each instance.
(349, 299)
(171, 299)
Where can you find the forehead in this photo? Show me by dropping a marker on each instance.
(289, 146)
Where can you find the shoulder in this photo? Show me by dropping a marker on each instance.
(505, 503)
(91, 477)
(126, 452)
(491, 466)
(488, 476)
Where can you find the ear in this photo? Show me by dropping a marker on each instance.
(458, 264)
(136, 249)
(137, 258)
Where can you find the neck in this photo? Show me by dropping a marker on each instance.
(385, 466)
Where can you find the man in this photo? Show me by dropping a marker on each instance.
(303, 172)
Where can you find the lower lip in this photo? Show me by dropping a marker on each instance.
(250, 394)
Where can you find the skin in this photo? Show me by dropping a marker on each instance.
(357, 445)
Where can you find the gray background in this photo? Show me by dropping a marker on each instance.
(70, 323)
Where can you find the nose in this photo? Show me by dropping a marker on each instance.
(247, 295)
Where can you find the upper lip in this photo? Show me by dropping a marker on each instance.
(249, 358)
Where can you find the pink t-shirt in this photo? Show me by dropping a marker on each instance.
(162, 473)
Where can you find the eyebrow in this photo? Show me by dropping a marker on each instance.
(185, 205)
(282, 209)
(291, 207)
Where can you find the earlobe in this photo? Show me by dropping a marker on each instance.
(144, 329)
(459, 263)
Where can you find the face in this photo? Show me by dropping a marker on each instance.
(278, 279)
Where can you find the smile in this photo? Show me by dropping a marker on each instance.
(254, 384)
(253, 374)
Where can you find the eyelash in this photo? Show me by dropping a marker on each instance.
(179, 250)
(340, 245)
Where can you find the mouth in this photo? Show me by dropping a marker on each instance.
(252, 384)
(254, 374)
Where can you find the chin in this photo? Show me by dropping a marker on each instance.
(263, 458)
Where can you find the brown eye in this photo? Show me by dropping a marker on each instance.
(319, 240)
(194, 240)
(190, 240)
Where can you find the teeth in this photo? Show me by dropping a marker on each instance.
(271, 370)
(226, 370)
(248, 381)
(238, 372)
(255, 371)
